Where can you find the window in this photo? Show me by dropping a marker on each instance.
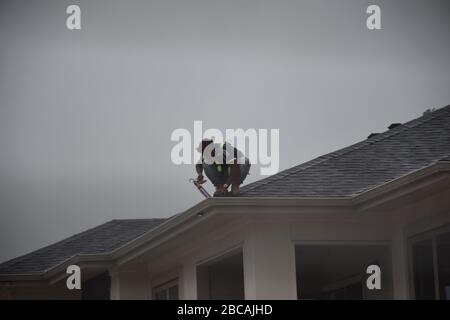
(338, 271)
(352, 291)
(443, 264)
(222, 278)
(430, 255)
(423, 269)
(96, 288)
(166, 291)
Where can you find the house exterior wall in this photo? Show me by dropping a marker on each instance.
(129, 285)
(267, 240)
(269, 262)
(38, 292)
(269, 254)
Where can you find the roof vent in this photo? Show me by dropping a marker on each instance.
(372, 135)
(394, 125)
(429, 111)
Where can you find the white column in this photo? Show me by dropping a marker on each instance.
(189, 284)
(400, 265)
(115, 284)
(269, 263)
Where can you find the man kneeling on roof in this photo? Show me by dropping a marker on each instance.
(224, 165)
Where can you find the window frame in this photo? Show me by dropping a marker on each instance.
(428, 235)
(165, 286)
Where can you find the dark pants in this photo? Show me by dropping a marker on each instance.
(220, 178)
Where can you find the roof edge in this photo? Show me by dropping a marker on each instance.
(355, 202)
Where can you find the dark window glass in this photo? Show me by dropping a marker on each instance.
(351, 292)
(161, 295)
(422, 252)
(97, 288)
(173, 293)
(354, 292)
(443, 259)
(167, 291)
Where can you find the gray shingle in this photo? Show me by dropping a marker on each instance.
(102, 239)
(343, 173)
(367, 164)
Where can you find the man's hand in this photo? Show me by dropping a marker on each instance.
(200, 179)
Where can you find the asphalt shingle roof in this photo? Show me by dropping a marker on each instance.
(364, 165)
(102, 239)
(343, 173)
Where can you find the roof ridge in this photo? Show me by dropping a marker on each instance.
(356, 146)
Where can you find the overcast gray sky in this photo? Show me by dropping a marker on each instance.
(86, 116)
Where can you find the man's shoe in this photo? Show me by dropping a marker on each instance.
(220, 191)
(235, 190)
